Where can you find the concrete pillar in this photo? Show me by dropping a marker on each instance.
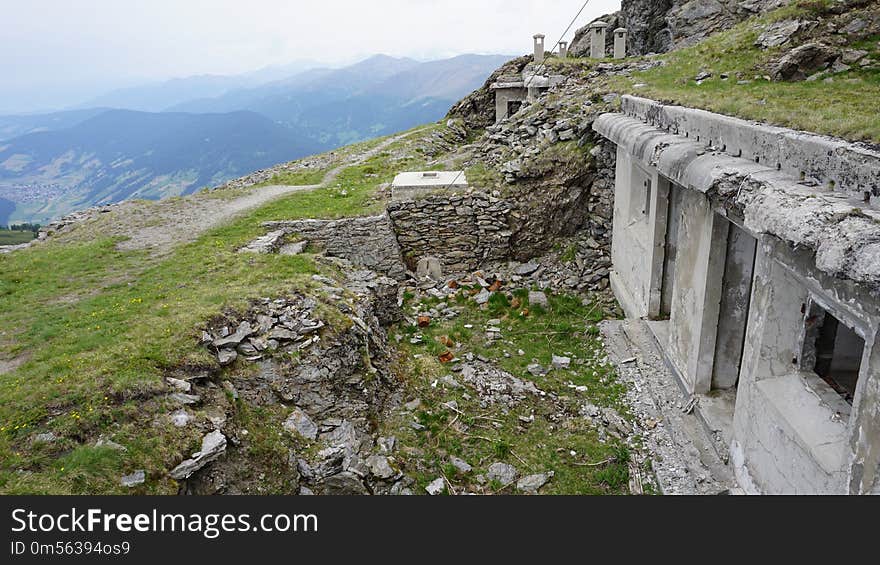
(696, 302)
(620, 37)
(563, 49)
(539, 48)
(864, 463)
(597, 39)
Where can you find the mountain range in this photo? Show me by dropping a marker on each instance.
(181, 136)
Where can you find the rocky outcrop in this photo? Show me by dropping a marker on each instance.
(658, 26)
(323, 383)
(282, 323)
(802, 62)
(813, 49)
(692, 21)
(559, 183)
(213, 446)
(648, 25)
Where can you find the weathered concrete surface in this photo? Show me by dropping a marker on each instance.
(696, 293)
(505, 93)
(864, 476)
(852, 168)
(598, 30)
(633, 236)
(407, 186)
(736, 294)
(793, 433)
(815, 250)
(620, 38)
(529, 85)
(843, 231)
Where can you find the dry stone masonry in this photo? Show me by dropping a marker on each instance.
(462, 232)
(369, 242)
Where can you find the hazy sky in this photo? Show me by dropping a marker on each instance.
(59, 52)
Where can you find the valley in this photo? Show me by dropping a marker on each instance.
(55, 164)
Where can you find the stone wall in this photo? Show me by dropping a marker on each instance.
(600, 205)
(369, 242)
(462, 232)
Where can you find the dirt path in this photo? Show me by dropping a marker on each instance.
(164, 225)
(172, 223)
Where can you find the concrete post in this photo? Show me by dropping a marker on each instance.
(620, 37)
(597, 39)
(563, 49)
(539, 48)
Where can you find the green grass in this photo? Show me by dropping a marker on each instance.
(15, 237)
(99, 328)
(483, 177)
(840, 108)
(308, 177)
(566, 156)
(495, 433)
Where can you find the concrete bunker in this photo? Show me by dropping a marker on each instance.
(741, 271)
(409, 185)
(512, 92)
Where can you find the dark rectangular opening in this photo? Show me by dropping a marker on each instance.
(736, 295)
(673, 221)
(838, 352)
(513, 107)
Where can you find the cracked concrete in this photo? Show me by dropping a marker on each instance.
(842, 229)
(782, 225)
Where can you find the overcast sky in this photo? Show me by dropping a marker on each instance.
(59, 52)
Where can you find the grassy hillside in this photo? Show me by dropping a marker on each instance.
(88, 331)
(15, 237)
(840, 104)
(95, 329)
(738, 84)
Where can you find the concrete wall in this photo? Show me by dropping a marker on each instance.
(864, 444)
(831, 163)
(792, 433)
(736, 295)
(636, 237)
(641, 204)
(505, 95)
